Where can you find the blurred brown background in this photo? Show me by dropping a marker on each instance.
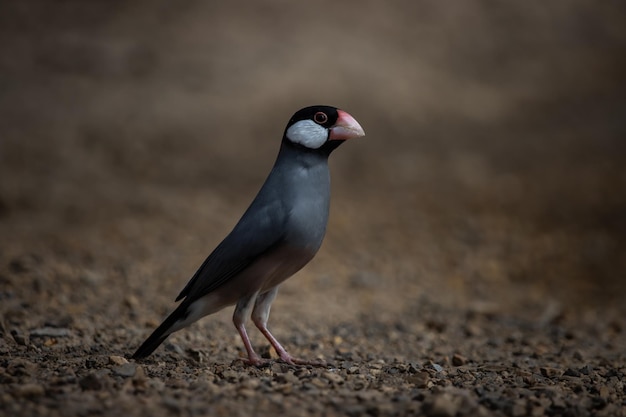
(134, 134)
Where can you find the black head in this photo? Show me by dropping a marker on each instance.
(321, 127)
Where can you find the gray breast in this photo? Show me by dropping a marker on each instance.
(309, 206)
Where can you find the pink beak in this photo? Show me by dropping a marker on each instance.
(346, 127)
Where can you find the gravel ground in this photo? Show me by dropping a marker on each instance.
(475, 258)
(449, 362)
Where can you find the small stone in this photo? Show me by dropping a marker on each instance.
(519, 408)
(92, 382)
(117, 360)
(246, 392)
(354, 370)
(537, 411)
(50, 342)
(173, 347)
(25, 263)
(267, 352)
(125, 370)
(140, 374)
(419, 379)
(279, 367)
(604, 392)
(550, 372)
(441, 405)
(473, 330)
(355, 410)
(131, 301)
(20, 338)
(20, 367)
(359, 382)
(436, 367)
(458, 360)
(571, 372)
(333, 377)
(319, 383)
(50, 332)
(29, 391)
(171, 403)
(376, 366)
(414, 368)
(558, 402)
(368, 396)
(286, 378)
(230, 375)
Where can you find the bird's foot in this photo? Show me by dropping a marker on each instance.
(302, 362)
(257, 361)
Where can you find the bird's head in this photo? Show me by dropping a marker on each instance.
(322, 127)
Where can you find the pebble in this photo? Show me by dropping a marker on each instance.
(429, 380)
(333, 377)
(368, 396)
(319, 382)
(25, 263)
(441, 405)
(140, 379)
(50, 332)
(246, 392)
(414, 367)
(279, 367)
(20, 338)
(354, 370)
(171, 403)
(436, 367)
(231, 375)
(419, 379)
(125, 370)
(286, 378)
(20, 367)
(518, 409)
(571, 372)
(604, 392)
(29, 390)
(92, 381)
(559, 402)
(117, 360)
(458, 360)
(550, 372)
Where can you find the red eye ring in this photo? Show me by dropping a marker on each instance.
(320, 117)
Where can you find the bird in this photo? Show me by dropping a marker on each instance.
(278, 234)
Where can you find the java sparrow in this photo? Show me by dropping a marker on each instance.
(278, 234)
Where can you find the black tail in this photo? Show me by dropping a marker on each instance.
(161, 333)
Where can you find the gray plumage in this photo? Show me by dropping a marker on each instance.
(278, 234)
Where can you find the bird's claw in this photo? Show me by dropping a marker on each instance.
(258, 362)
(303, 362)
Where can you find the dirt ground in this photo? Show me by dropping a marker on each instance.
(475, 260)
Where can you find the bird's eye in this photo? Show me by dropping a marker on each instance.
(320, 117)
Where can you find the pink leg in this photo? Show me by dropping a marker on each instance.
(241, 314)
(260, 316)
(253, 357)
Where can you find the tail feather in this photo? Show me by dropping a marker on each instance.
(161, 333)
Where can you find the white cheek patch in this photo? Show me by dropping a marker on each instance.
(307, 133)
